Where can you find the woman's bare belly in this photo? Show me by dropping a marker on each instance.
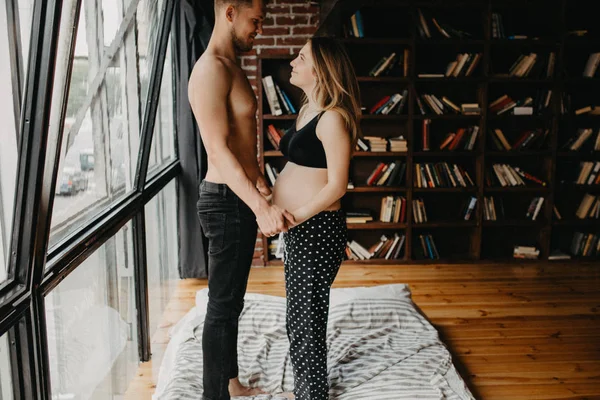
(297, 185)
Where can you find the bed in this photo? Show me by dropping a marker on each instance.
(380, 348)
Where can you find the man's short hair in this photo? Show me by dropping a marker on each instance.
(221, 3)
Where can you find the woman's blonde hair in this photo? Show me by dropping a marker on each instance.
(337, 87)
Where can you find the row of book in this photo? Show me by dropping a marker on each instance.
(441, 174)
(529, 139)
(393, 209)
(589, 207)
(462, 66)
(498, 31)
(526, 252)
(356, 26)
(274, 135)
(585, 244)
(379, 144)
(427, 248)
(392, 65)
(386, 249)
(462, 139)
(532, 65)
(387, 174)
(442, 30)
(490, 213)
(445, 106)
(591, 66)
(272, 173)
(277, 98)
(390, 104)
(419, 212)
(507, 175)
(579, 141)
(525, 106)
(589, 173)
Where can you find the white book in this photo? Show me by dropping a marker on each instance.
(537, 208)
(269, 87)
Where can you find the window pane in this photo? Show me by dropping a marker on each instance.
(91, 323)
(101, 133)
(25, 15)
(163, 140)
(8, 149)
(148, 19)
(162, 250)
(6, 389)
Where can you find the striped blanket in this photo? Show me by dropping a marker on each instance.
(379, 348)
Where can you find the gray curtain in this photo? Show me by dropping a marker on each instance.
(193, 24)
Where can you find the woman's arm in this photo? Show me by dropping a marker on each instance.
(332, 131)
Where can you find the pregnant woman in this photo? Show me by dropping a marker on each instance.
(319, 147)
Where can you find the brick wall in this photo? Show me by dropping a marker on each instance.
(288, 25)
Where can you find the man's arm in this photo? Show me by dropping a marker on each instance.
(331, 130)
(209, 90)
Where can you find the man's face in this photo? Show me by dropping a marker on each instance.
(246, 24)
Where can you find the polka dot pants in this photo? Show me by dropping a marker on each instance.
(313, 253)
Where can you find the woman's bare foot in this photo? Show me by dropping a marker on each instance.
(237, 389)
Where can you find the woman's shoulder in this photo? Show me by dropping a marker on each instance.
(331, 120)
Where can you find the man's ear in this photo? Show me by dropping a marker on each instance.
(229, 12)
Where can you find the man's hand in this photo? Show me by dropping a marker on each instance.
(271, 220)
(263, 186)
(290, 219)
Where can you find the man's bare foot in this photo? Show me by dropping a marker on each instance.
(237, 389)
(287, 395)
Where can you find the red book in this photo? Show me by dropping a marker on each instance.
(375, 175)
(379, 104)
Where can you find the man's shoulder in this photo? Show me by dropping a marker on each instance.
(211, 65)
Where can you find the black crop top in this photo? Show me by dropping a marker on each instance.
(303, 147)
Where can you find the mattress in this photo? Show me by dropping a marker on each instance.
(379, 347)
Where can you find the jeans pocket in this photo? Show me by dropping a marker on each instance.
(214, 225)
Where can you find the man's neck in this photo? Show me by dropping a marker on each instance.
(220, 44)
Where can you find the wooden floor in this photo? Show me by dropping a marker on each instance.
(516, 331)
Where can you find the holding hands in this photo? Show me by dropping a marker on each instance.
(273, 219)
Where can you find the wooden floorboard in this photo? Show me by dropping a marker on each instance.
(528, 331)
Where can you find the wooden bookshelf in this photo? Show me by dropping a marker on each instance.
(392, 26)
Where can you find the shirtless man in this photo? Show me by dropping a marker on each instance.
(234, 195)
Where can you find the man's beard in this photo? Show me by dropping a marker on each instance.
(240, 45)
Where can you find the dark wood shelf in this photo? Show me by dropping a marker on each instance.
(271, 117)
(477, 241)
(579, 155)
(376, 189)
(447, 116)
(577, 222)
(463, 80)
(514, 222)
(444, 224)
(376, 225)
(519, 153)
(383, 79)
(446, 189)
(442, 153)
(380, 154)
(524, 80)
(524, 189)
(383, 117)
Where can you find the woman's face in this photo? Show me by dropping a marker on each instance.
(303, 73)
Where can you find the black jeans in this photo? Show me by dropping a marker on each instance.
(230, 226)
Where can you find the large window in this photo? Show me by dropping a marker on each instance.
(108, 86)
(162, 254)
(14, 48)
(6, 389)
(91, 322)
